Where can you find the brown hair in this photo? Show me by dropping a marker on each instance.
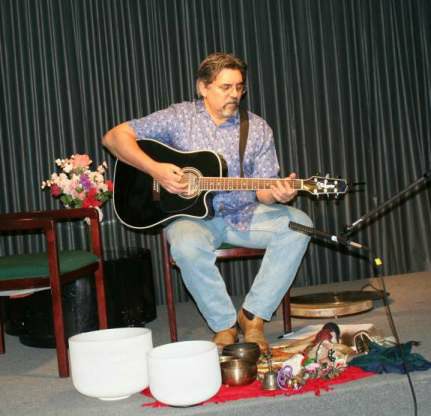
(213, 64)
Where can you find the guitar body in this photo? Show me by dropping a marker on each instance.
(140, 203)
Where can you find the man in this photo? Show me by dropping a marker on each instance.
(244, 218)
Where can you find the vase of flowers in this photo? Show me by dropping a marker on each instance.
(76, 186)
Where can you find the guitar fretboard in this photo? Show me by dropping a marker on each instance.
(243, 184)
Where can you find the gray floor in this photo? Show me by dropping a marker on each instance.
(29, 384)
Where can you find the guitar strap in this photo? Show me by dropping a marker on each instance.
(243, 135)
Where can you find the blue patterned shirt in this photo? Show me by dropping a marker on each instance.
(187, 126)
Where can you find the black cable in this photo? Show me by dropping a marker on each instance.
(377, 263)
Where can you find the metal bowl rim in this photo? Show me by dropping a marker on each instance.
(248, 346)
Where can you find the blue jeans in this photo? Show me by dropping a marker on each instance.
(193, 244)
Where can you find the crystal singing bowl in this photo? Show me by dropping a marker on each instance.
(110, 364)
(184, 373)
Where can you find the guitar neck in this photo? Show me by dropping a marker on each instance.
(244, 184)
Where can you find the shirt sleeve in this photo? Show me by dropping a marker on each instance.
(161, 125)
(265, 162)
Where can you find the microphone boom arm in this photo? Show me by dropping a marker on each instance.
(322, 235)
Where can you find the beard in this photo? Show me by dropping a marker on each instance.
(230, 109)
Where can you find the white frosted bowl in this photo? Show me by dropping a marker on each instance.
(110, 364)
(184, 373)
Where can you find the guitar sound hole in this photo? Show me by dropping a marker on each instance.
(191, 177)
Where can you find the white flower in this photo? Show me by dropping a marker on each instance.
(67, 168)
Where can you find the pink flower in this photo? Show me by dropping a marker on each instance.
(80, 161)
(55, 190)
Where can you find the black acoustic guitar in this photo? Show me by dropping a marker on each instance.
(140, 202)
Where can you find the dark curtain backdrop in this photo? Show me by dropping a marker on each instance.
(345, 84)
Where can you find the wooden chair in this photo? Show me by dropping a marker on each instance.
(225, 252)
(53, 268)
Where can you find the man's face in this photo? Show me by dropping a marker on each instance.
(222, 96)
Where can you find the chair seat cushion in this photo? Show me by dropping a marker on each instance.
(36, 265)
(226, 246)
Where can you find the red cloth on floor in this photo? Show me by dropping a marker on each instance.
(228, 393)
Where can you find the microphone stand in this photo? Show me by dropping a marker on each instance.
(342, 239)
(377, 261)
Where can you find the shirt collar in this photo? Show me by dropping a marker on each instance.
(200, 108)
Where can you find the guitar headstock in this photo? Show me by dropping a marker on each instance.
(324, 185)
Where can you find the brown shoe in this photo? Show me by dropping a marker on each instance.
(253, 330)
(226, 337)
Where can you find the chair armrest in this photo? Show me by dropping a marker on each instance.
(33, 220)
(23, 224)
(56, 214)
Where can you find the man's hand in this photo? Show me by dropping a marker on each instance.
(281, 192)
(169, 177)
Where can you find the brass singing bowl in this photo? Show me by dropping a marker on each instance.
(225, 358)
(238, 372)
(248, 351)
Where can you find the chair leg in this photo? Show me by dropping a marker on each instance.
(101, 297)
(171, 306)
(60, 337)
(2, 325)
(167, 275)
(287, 318)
